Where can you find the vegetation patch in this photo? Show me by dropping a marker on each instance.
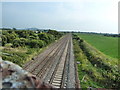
(19, 46)
(95, 69)
(105, 44)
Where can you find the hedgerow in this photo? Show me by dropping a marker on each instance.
(95, 66)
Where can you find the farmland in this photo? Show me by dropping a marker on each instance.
(107, 45)
(95, 68)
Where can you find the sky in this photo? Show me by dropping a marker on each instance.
(83, 15)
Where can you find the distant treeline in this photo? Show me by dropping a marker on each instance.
(105, 34)
(33, 29)
(112, 35)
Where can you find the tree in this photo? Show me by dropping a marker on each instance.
(14, 28)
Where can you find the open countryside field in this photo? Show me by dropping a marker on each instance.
(95, 69)
(107, 45)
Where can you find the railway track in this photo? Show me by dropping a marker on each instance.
(56, 64)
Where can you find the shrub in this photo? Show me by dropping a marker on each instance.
(4, 40)
(8, 45)
(23, 41)
(44, 37)
(11, 37)
(36, 43)
(55, 33)
(51, 37)
(16, 42)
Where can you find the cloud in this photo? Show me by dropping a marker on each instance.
(85, 15)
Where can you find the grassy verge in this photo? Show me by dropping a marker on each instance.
(21, 55)
(84, 68)
(95, 69)
(18, 55)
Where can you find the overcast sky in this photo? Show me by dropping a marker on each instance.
(85, 15)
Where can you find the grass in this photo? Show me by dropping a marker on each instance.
(21, 55)
(84, 67)
(98, 70)
(107, 45)
(18, 55)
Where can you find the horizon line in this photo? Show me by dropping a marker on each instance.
(67, 30)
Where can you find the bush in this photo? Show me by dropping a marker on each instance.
(11, 37)
(23, 33)
(51, 37)
(36, 43)
(19, 42)
(44, 37)
(8, 45)
(16, 42)
(33, 37)
(23, 41)
(55, 33)
(4, 40)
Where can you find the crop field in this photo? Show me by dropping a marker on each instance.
(107, 45)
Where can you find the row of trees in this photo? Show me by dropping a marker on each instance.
(104, 34)
(29, 38)
(112, 35)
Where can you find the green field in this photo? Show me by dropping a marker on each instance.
(107, 45)
(95, 69)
